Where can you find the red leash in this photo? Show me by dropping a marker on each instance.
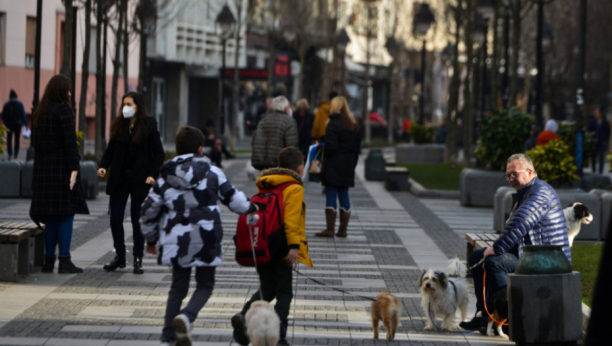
(484, 294)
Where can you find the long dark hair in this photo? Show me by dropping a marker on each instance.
(57, 89)
(120, 123)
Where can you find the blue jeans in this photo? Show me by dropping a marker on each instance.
(118, 201)
(497, 267)
(341, 193)
(58, 231)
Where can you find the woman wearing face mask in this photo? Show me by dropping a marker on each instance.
(135, 155)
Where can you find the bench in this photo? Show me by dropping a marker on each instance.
(477, 241)
(21, 249)
(396, 178)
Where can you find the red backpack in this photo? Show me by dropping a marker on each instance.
(268, 235)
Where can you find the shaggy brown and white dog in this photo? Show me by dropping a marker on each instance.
(387, 309)
(576, 214)
(263, 325)
(442, 297)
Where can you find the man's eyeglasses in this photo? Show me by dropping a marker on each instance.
(513, 174)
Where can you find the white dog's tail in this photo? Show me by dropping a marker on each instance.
(456, 267)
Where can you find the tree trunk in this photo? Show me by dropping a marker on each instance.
(126, 46)
(495, 96)
(366, 88)
(450, 157)
(468, 108)
(85, 76)
(100, 116)
(391, 121)
(516, 46)
(65, 70)
(300, 81)
(117, 60)
(271, 59)
(235, 88)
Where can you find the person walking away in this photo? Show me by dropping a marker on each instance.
(57, 193)
(191, 233)
(134, 155)
(602, 137)
(549, 133)
(321, 118)
(13, 117)
(535, 219)
(304, 120)
(340, 155)
(274, 133)
(275, 277)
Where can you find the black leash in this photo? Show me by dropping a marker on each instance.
(333, 288)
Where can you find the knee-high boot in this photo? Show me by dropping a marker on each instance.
(330, 220)
(344, 220)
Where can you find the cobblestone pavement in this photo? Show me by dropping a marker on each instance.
(392, 237)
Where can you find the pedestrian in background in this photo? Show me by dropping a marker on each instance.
(304, 120)
(321, 118)
(340, 155)
(134, 154)
(601, 128)
(13, 117)
(56, 184)
(549, 133)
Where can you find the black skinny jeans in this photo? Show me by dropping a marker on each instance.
(16, 133)
(118, 201)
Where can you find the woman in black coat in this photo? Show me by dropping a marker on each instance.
(134, 156)
(340, 155)
(304, 120)
(56, 185)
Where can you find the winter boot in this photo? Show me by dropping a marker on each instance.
(344, 220)
(138, 265)
(49, 264)
(330, 219)
(67, 267)
(282, 340)
(240, 334)
(117, 262)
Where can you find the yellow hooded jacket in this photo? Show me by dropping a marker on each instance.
(294, 207)
(320, 121)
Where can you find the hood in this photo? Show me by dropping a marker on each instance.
(186, 171)
(325, 107)
(272, 177)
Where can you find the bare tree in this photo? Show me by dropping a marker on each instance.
(468, 108)
(119, 5)
(65, 70)
(126, 46)
(101, 9)
(451, 153)
(85, 73)
(240, 17)
(369, 32)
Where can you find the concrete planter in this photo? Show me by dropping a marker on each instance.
(419, 154)
(477, 187)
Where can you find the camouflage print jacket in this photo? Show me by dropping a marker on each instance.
(182, 215)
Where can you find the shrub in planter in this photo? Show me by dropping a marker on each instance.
(553, 163)
(421, 134)
(567, 133)
(502, 134)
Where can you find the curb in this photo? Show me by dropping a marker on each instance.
(586, 314)
(419, 191)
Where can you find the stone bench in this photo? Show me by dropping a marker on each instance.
(10, 178)
(396, 178)
(477, 241)
(420, 154)
(27, 241)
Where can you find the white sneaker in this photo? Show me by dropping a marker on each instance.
(182, 326)
(166, 343)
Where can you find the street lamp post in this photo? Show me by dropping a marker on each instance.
(480, 37)
(579, 108)
(342, 41)
(392, 47)
(543, 38)
(226, 20)
(504, 79)
(485, 8)
(39, 9)
(422, 21)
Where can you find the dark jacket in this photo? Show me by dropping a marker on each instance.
(185, 207)
(602, 133)
(274, 133)
(14, 115)
(304, 125)
(56, 157)
(340, 154)
(136, 162)
(537, 219)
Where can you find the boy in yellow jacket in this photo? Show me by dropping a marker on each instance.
(275, 278)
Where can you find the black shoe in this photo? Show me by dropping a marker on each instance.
(239, 326)
(138, 265)
(49, 264)
(475, 323)
(282, 342)
(117, 262)
(67, 267)
(230, 156)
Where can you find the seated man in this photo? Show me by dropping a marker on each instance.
(536, 219)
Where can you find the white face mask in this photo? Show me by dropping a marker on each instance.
(128, 112)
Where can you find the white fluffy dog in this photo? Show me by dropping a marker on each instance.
(263, 325)
(441, 296)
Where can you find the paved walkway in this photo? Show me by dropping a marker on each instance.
(392, 238)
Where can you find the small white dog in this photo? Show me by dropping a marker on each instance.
(575, 215)
(442, 297)
(263, 325)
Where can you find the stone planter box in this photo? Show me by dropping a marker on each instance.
(419, 154)
(477, 187)
(500, 207)
(10, 178)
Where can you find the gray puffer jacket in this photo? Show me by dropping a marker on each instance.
(537, 219)
(182, 215)
(274, 132)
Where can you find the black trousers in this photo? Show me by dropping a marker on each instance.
(118, 201)
(16, 133)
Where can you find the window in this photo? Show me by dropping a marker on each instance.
(93, 67)
(2, 37)
(30, 50)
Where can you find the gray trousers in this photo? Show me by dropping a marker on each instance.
(205, 281)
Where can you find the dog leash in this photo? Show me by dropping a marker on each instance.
(334, 288)
(485, 293)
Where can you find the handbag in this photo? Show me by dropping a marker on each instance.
(316, 165)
